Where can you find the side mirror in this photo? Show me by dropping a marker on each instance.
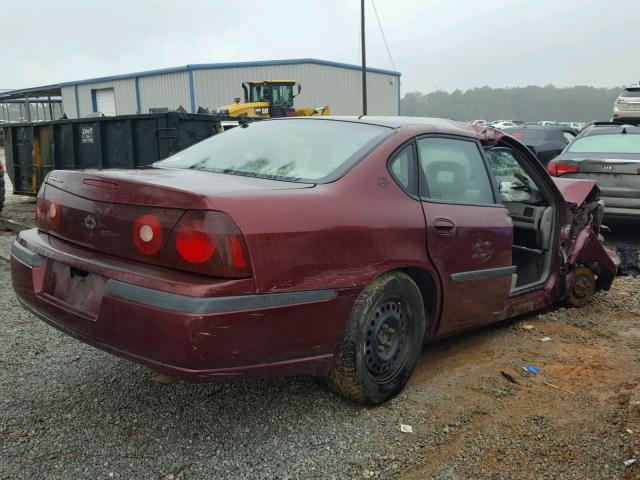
(299, 88)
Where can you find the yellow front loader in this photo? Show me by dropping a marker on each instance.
(270, 99)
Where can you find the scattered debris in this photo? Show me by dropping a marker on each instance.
(629, 260)
(163, 379)
(509, 377)
(558, 388)
(527, 327)
(406, 428)
(545, 339)
(530, 369)
(628, 463)
(629, 431)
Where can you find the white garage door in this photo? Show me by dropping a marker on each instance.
(106, 101)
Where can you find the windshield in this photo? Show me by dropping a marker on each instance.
(514, 184)
(527, 136)
(278, 95)
(283, 95)
(631, 92)
(610, 143)
(298, 150)
(259, 94)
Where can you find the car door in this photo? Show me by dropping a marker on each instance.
(469, 234)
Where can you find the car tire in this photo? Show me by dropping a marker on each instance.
(381, 342)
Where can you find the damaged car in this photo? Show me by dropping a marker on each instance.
(334, 247)
(610, 156)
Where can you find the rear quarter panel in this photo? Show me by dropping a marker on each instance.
(338, 235)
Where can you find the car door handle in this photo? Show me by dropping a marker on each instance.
(444, 226)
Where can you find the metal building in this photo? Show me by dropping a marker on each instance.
(211, 85)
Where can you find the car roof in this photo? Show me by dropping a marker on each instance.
(545, 128)
(427, 124)
(609, 129)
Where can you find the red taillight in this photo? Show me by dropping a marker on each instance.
(194, 243)
(147, 234)
(210, 243)
(556, 169)
(237, 254)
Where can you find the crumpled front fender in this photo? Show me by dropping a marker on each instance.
(589, 251)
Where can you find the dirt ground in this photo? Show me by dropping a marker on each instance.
(493, 428)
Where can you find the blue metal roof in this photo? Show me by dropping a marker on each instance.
(212, 66)
(203, 66)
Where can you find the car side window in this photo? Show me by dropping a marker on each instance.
(454, 171)
(514, 184)
(401, 168)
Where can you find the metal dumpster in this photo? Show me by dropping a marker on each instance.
(127, 141)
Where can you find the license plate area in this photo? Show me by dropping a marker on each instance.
(74, 289)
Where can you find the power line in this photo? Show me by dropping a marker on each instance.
(375, 10)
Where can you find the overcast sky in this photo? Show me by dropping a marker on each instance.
(436, 44)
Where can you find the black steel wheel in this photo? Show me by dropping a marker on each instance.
(381, 342)
(386, 343)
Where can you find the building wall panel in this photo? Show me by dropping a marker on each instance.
(338, 87)
(321, 85)
(169, 90)
(69, 101)
(125, 93)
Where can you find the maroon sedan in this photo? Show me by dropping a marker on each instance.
(326, 246)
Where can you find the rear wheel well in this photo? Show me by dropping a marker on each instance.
(427, 286)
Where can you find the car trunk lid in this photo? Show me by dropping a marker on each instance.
(102, 225)
(617, 177)
(160, 187)
(106, 210)
(605, 164)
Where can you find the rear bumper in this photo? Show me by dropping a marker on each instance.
(194, 338)
(630, 116)
(621, 202)
(619, 192)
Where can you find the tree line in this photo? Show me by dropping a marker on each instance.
(580, 103)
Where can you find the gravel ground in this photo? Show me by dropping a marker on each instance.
(70, 411)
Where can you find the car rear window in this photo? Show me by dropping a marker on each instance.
(631, 92)
(527, 136)
(608, 143)
(297, 150)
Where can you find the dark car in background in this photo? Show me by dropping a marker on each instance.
(546, 142)
(610, 155)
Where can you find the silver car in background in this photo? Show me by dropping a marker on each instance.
(610, 155)
(627, 106)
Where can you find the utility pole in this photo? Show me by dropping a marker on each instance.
(364, 60)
